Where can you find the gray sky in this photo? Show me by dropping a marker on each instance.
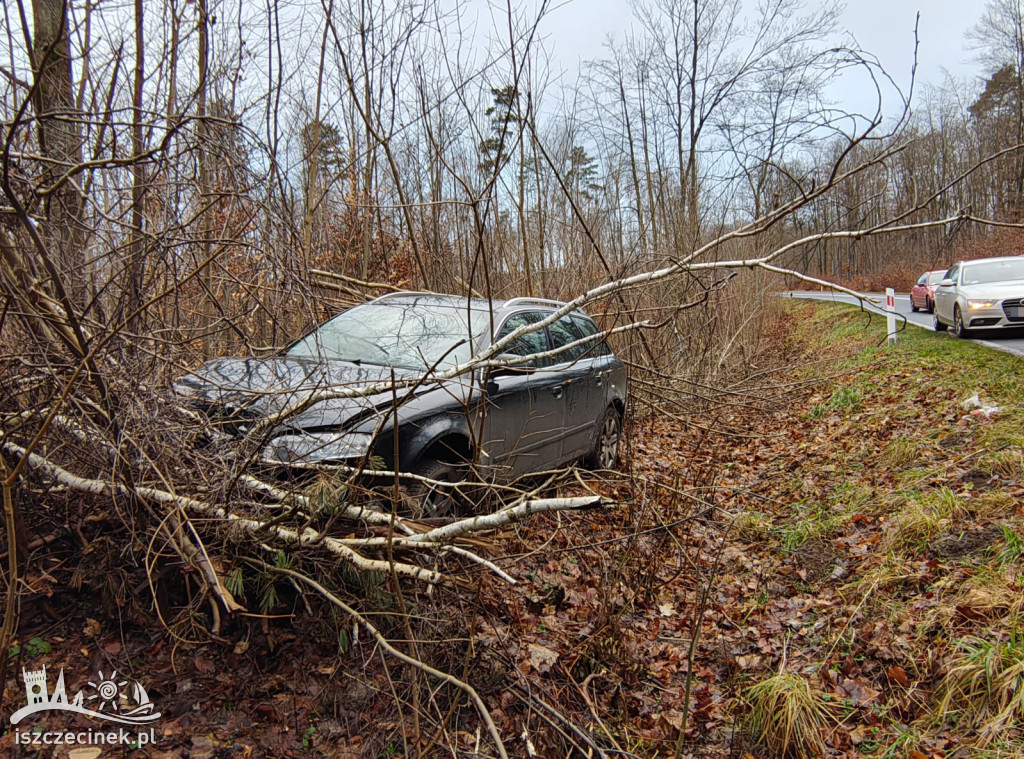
(886, 28)
(577, 30)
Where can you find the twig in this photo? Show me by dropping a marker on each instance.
(468, 689)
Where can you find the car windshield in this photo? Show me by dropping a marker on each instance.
(993, 271)
(936, 276)
(404, 334)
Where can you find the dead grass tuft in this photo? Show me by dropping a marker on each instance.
(751, 526)
(988, 598)
(1007, 464)
(923, 518)
(894, 572)
(787, 716)
(902, 453)
(914, 525)
(984, 687)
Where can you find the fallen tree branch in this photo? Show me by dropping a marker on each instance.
(254, 527)
(507, 516)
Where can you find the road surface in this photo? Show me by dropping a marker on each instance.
(1010, 341)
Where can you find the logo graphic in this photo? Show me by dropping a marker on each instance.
(117, 701)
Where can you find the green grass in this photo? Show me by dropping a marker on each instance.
(895, 466)
(951, 364)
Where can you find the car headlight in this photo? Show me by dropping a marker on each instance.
(975, 304)
(313, 447)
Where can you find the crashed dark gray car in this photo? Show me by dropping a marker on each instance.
(550, 397)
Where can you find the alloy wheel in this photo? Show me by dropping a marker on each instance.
(608, 441)
(958, 324)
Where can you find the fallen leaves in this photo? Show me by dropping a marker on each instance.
(541, 658)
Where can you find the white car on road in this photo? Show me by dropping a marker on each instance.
(984, 294)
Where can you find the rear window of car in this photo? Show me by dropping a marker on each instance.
(563, 332)
(588, 328)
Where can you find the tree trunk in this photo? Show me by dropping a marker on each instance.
(60, 143)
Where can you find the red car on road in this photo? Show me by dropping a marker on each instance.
(922, 296)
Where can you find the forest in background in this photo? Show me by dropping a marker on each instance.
(182, 180)
(217, 159)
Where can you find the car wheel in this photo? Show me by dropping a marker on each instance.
(606, 446)
(959, 328)
(913, 306)
(425, 499)
(929, 306)
(937, 322)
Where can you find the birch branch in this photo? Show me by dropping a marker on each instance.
(306, 536)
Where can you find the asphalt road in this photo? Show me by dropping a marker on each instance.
(1010, 341)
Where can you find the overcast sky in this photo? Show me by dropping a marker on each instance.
(577, 30)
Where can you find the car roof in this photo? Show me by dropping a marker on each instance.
(990, 260)
(461, 301)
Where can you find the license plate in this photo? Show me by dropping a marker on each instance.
(1015, 312)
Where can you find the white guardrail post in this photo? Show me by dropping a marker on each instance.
(890, 314)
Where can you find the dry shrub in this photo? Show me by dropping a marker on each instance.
(787, 716)
(999, 241)
(899, 275)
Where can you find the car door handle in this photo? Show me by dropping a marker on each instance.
(599, 379)
(557, 391)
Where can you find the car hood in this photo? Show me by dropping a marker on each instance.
(252, 389)
(1011, 289)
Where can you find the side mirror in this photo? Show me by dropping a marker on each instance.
(947, 283)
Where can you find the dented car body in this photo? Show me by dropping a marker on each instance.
(382, 381)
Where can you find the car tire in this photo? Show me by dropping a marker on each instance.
(959, 328)
(426, 500)
(913, 306)
(929, 306)
(937, 322)
(605, 452)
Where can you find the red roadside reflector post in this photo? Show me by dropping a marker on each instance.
(890, 314)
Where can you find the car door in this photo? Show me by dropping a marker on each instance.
(522, 409)
(600, 383)
(917, 293)
(575, 366)
(945, 297)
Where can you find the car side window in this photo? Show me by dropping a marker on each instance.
(952, 273)
(563, 332)
(587, 328)
(923, 278)
(528, 344)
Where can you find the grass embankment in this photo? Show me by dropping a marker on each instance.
(844, 534)
(901, 550)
